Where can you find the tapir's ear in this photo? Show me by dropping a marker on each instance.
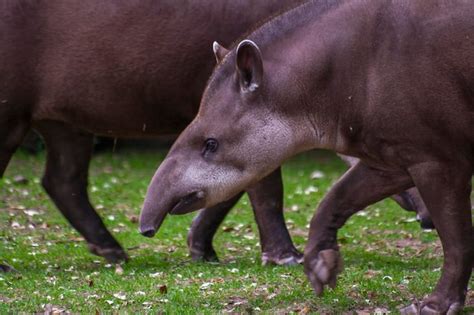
(219, 51)
(249, 66)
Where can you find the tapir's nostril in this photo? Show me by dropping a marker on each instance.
(148, 232)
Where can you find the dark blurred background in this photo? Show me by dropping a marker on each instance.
(33, 143)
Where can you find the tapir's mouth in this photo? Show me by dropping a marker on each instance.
(152, 218)
(191, 202)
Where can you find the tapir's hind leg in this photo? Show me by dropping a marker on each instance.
(446, 189)
(411, 200)
(65, 180)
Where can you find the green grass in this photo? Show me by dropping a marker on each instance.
(388, 259)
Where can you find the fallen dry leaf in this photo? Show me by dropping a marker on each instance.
(163, 289)
(50, 309)
(20, 180)
(133, 219)
(118, 270)
(31, 212)
(120, 296)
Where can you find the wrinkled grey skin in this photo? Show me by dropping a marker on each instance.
(388, 82)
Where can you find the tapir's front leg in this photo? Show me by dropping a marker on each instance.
(446, 190)
(267, 201)
(205, 226)
(359, 187)
(266, 197)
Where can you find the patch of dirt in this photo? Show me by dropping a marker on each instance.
(234, 302)
(470, 298)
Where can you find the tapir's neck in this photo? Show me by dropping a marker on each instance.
(318, 71)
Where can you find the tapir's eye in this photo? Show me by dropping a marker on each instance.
(210, 146)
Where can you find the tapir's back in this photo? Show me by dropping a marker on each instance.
(121, 64)
(18, 50)
(448, 32)
(421, 68)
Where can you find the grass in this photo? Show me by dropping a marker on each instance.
(388, 259)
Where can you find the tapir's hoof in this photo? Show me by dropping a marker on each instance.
(293, 257)
(425, 223)
(323, 269)
(208, 255)
(431, 309)
(112, 255)
(6, 268)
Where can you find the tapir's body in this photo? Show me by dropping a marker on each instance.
(389, 82)
(72, 69)
(120, 68)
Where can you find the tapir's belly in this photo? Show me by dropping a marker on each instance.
(127, 119)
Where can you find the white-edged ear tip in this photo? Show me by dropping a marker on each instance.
(247, 42)
(215, 46)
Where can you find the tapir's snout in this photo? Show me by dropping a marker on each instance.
(150, 220)
(154, 213)
(148, 231)
(168, 193)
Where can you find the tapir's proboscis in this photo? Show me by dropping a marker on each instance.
(388, 82)
(71, 69)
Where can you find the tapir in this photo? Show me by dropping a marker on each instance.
(129, 69)
(72, 69)
(390, 82)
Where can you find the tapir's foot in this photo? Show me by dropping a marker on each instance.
(434, 305)
(425, 222)
(200, 248)
(323, 269)
(111, 254)
(203, 254)
(282, 258)
(6, 268)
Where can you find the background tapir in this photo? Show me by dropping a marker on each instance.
(389, 82)
(71, 69)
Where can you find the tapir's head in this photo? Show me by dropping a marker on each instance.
(238, 137)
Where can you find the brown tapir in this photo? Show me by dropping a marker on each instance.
(390, 82)
(71, 69)
(138, 69)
